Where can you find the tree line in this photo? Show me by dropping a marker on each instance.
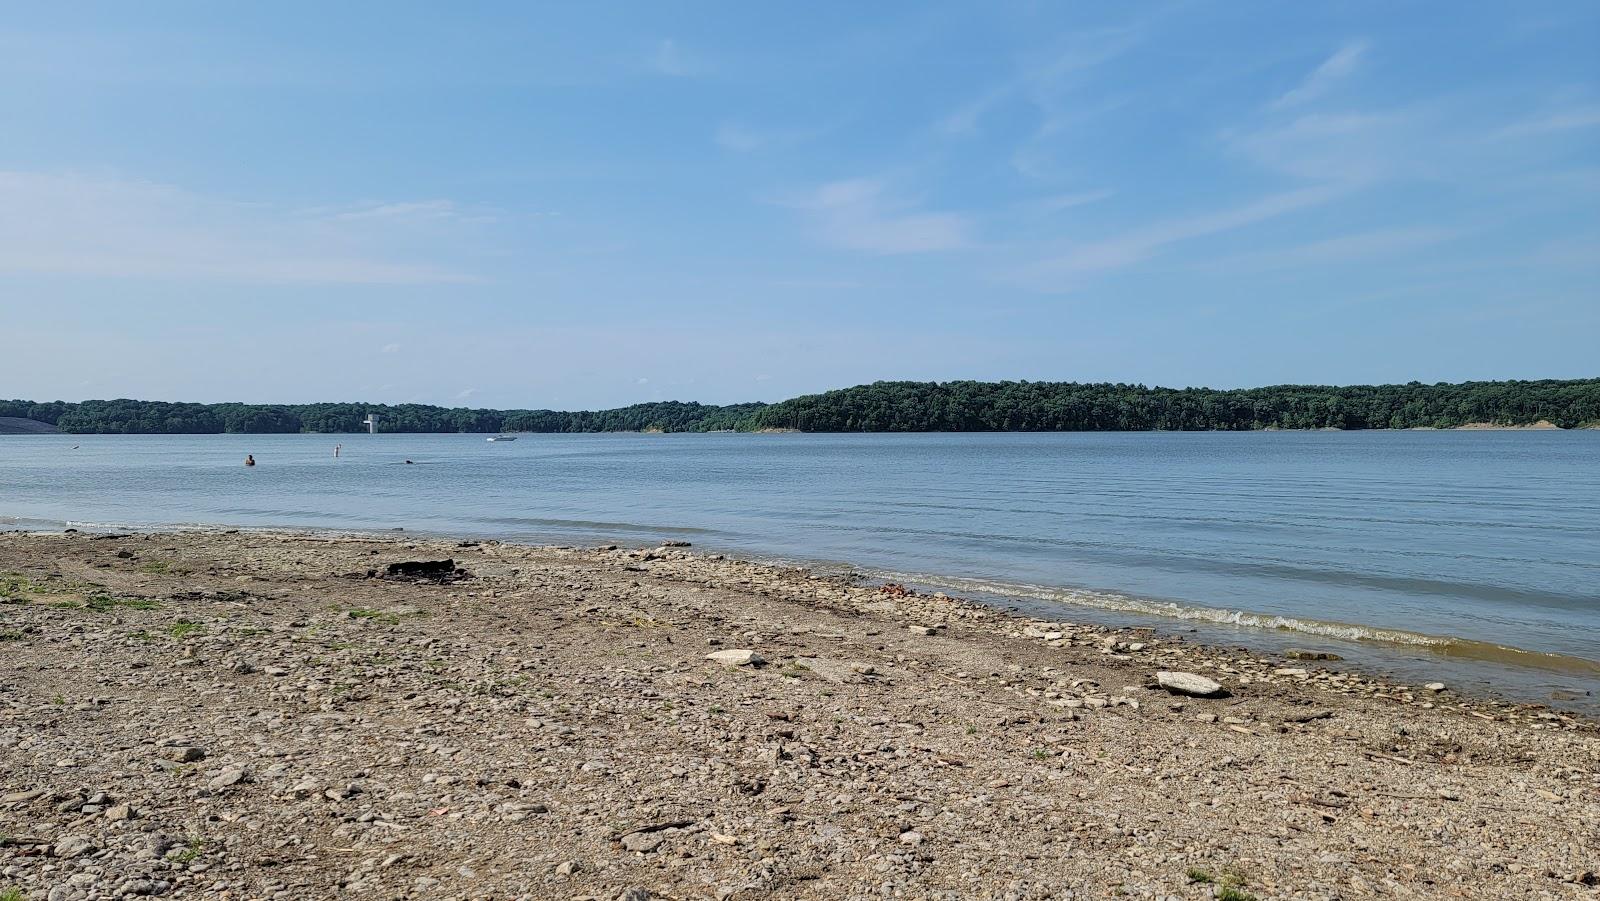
(149, 417)
(897, 407)
(1075, 407)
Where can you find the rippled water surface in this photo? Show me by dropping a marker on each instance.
(1476, 554)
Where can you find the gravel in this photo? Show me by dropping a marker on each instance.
(258, 718)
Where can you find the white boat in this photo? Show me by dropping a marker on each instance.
(501, 438)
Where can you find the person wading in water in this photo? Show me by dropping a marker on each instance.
(249, 459)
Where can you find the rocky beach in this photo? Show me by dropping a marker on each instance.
(259, 715)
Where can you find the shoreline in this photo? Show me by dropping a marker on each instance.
(266, 713)
(1495, 673)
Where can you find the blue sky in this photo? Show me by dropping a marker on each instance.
(579, 205)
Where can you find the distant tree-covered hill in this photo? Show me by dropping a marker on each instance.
(1071, 406)
(897, 407)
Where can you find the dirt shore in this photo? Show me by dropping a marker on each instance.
(251, 716)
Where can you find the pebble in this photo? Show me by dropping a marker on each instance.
(1189, 684)
(71, 846)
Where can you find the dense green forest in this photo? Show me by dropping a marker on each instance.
(148, 417)
(1069, 406)
(897, 407)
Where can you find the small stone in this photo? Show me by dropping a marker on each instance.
(231, 776)
(1434, 686)
(831, 670)
(567, 868)
(925, 630)
(635, 893)
(122, 812)
(911, 837)
(1303, 654)
(1290, 671)
(1190, 684)
(643, 842)
(70, 846)
(183, 754)
(736, 657)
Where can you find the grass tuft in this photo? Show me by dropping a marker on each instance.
(190, 853)
(184, 628)
(104, 603)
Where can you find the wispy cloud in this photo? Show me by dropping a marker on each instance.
(1041, 81)
(858, 214)
(671, 60)
(1058, 202)
(112, 227)
(1344, 147)
(391, 348)
(1557, 121)
(1374, 244)
(1324, 77)
(740, 139)
(1060, 271)
(1577, 251)
(423, 210)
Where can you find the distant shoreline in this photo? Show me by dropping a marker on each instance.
(956, 406)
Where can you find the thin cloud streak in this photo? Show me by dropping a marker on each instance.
(1323, 78)
(1058, 272)
(1377, 243)
(1563, 120)
(109, 227)
(858, 215)
(1040, 81)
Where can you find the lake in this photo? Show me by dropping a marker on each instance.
(1473, 557)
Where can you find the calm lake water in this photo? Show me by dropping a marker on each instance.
(1469, 557)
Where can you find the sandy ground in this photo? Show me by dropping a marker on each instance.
(212, 715)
